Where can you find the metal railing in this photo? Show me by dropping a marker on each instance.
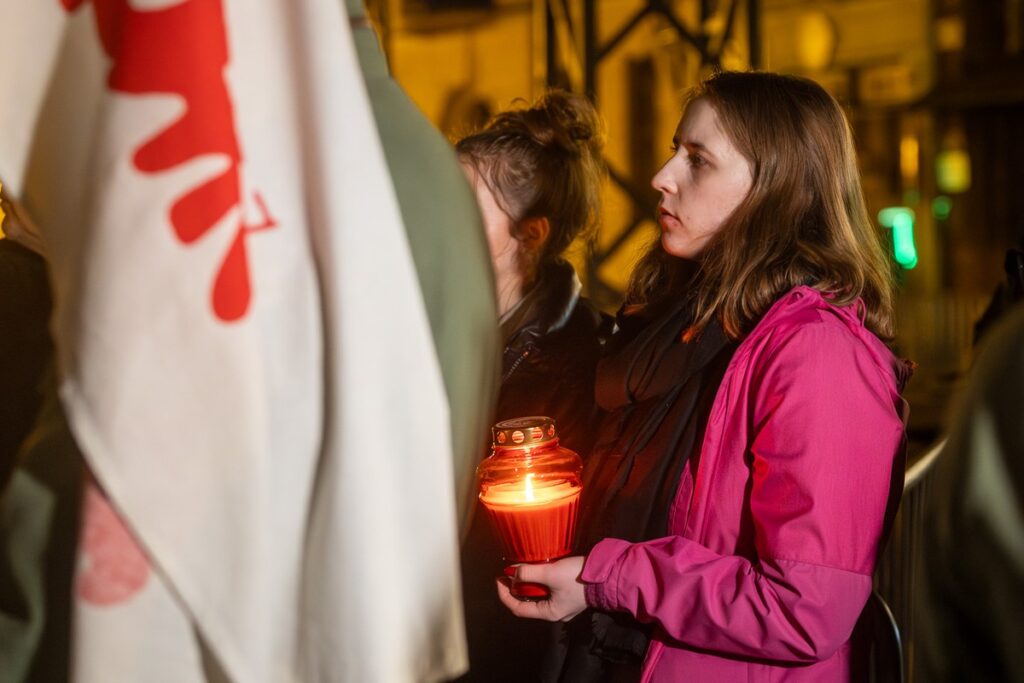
(899, 564)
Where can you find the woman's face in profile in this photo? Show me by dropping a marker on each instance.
(503, 246)
(701, 184)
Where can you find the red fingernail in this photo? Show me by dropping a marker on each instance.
(510, 571)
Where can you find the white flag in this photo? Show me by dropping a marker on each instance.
(245, 359)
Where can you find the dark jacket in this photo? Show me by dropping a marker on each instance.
(550, 357)
(552, 344)
(656, 392)
(25, 345)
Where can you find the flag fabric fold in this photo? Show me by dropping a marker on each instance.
(245, 358)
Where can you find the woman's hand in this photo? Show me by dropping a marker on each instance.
(562, 577)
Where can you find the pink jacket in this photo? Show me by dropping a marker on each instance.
(774, 541)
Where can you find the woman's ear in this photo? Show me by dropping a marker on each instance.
(534, 232)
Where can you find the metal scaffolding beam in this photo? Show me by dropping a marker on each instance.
(573, 55)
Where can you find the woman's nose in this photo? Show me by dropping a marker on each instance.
(662, 181)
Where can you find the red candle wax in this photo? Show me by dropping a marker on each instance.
(535, 518)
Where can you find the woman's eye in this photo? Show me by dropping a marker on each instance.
(697, 160)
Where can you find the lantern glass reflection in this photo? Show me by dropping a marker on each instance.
(530, 487)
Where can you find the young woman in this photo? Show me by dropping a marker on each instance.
(537, 174)
(736, 501)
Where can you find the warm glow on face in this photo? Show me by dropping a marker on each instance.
(701, 184)
(504, 248)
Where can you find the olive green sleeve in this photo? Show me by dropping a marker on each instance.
(39, 513)
(449, 248)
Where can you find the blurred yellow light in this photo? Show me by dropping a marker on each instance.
(909, 155)
(815, 39)
(1, 214)
(949, 33)
(953, 170)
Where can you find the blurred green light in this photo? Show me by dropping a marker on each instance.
(901, 220)
(887, 216)
(941, 207)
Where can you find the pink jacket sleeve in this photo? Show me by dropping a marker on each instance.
(824, 435)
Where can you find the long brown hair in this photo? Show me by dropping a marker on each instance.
(803, 222)
(543, 160)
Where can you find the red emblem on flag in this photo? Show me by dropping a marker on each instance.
(183, 50)
(112, 567)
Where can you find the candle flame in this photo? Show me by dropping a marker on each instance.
(529, 488)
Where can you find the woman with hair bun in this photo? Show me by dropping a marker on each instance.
(537, 172)
(751, 458)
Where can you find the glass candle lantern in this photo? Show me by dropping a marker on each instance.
(530, 487)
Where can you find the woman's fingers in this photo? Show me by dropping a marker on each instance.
(528, 609)
(561, 577)
(535, 573)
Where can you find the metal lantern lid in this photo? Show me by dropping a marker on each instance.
(524, 431)
(530, 488)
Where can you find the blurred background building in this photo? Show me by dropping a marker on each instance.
(934, 90)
